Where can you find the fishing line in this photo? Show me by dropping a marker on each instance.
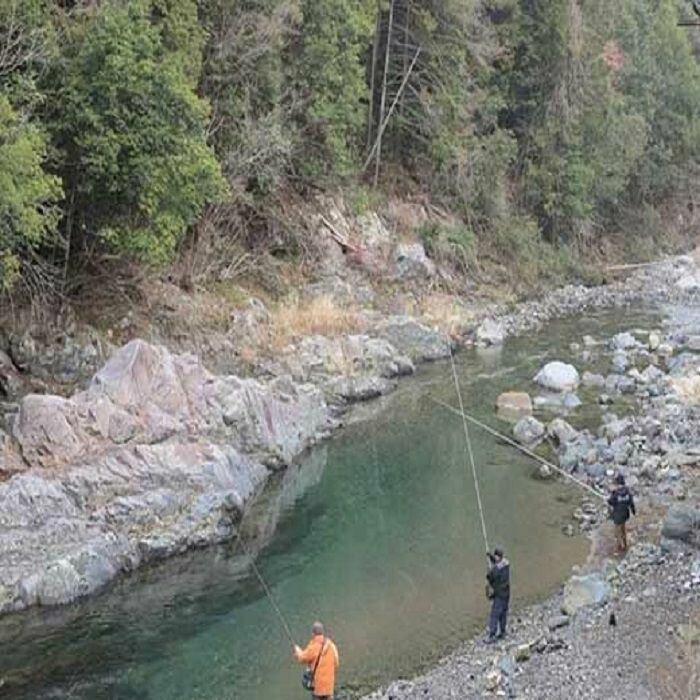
(517, 445)
(468, 441)
(266, 589)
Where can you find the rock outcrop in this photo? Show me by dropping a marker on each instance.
(413, 339)
(346, 368)
(155, 457)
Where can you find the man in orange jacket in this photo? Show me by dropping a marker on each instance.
(325, 666)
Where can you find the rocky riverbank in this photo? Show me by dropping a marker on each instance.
(622, 627)
(156, 455)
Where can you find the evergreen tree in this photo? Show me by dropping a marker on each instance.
(136, 165)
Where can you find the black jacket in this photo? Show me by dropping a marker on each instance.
(621, 503)
(498, 577)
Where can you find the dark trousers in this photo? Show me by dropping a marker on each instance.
(497, 619)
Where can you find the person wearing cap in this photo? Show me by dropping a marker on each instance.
(621, 503)
(321, 656)
(498, 590)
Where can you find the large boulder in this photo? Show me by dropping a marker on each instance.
(413, 339)
(585, 591)
(490, 332)
(528, 431)
(558, 376)
(412, 262)
(561, 432)
(682, 522)
(48, 430)
(514, 404)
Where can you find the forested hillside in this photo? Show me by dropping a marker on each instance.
(131, 130)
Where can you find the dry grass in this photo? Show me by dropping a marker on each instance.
(320, 316)
(443, 312)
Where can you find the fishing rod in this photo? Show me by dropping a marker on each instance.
(470, 451)
(466, 417)
(258, 574)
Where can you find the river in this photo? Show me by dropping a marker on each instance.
(376, 533)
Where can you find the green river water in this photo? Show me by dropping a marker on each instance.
(376, 533)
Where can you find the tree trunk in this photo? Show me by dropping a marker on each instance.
(382, 107)
(373, 74)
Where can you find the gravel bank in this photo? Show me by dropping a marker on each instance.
(653, 649)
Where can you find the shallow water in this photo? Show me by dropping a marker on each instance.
(376, 533)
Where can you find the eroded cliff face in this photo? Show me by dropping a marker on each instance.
(155, 457)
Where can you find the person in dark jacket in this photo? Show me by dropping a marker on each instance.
(621, 504)
(498, 577)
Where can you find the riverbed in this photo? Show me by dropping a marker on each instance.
(376, 532)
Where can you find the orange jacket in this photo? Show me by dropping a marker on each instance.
(324, 680)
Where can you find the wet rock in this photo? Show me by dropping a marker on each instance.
(412, 263)
(558, 376)
(682, 522)
(590, 379)
(413, 339)
(514, 404)
(585, 591)
(490, 332)
(561, 431)
(529, 431)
